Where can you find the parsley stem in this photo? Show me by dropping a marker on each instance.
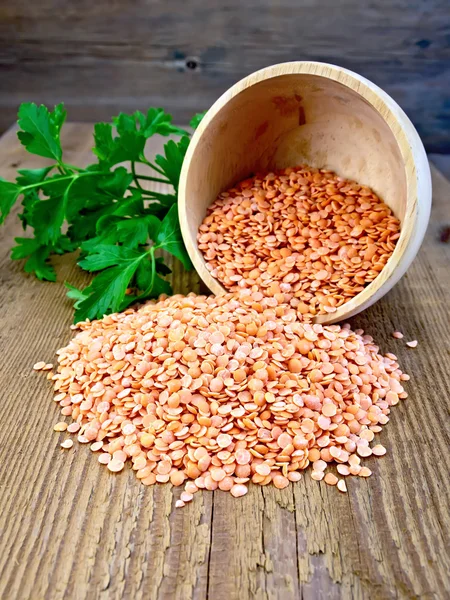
(152, 255)
(68, 188)
(136, 176)
(65, 178)
(42, 183)
(149, 164)
(157, 179)
(72, 168)
(143, 192)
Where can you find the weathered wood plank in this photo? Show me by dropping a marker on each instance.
(106, 56)
(69, 529)
(132, 543)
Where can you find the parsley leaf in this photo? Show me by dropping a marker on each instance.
(30, 198)
(75, 294)
(159, 286)
(172, 160)
(104, 143)
(128, 145)
(9, 192)
(144, 276)
(196, 119)
(169, 237)
(157, 121)
(135, 231)
(64, 244)
(37, 264)
(31, 176)
(103, 210)
(107, 291)
(149, 283)
(36, 255)
(116, 183)
(40, 129)
(108, 255)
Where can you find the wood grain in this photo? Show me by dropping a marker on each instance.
(106, 56)
(70, 529)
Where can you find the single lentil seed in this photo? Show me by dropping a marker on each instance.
(263, 469)
(378, 450)
(73, 427)
(397, 334)
(115, 465)
(191, 488)
(331, 479)
(238, 490)
(61, 426)
(341, 485)
(412, 344)
(280, 482)
(186, 497)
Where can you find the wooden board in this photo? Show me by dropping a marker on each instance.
(106, 56)
(70, 529)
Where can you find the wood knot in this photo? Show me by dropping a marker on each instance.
(444, 236)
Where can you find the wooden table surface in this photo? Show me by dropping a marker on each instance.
(70, 529)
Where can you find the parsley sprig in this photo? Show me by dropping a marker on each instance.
(103, 209)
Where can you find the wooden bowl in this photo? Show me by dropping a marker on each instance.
(327, 117)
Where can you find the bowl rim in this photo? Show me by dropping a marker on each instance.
(417, 172)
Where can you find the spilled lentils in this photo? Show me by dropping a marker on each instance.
(300, 231)
(215, 392)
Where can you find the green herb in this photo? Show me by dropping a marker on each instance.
(103, 209)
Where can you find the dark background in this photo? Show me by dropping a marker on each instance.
(103, 56)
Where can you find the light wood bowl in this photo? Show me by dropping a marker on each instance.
(327, 117)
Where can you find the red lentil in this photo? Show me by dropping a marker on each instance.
(60, 426)
(341, 485)
(306, 393)
(305, 234)
(186, 497)
(331, 479)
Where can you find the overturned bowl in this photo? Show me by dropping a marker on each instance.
(324, 116)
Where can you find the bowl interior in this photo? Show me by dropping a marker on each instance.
(290, 120)
(323, 116)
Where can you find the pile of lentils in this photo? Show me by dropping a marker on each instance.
(215, 392)
(300, 231)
